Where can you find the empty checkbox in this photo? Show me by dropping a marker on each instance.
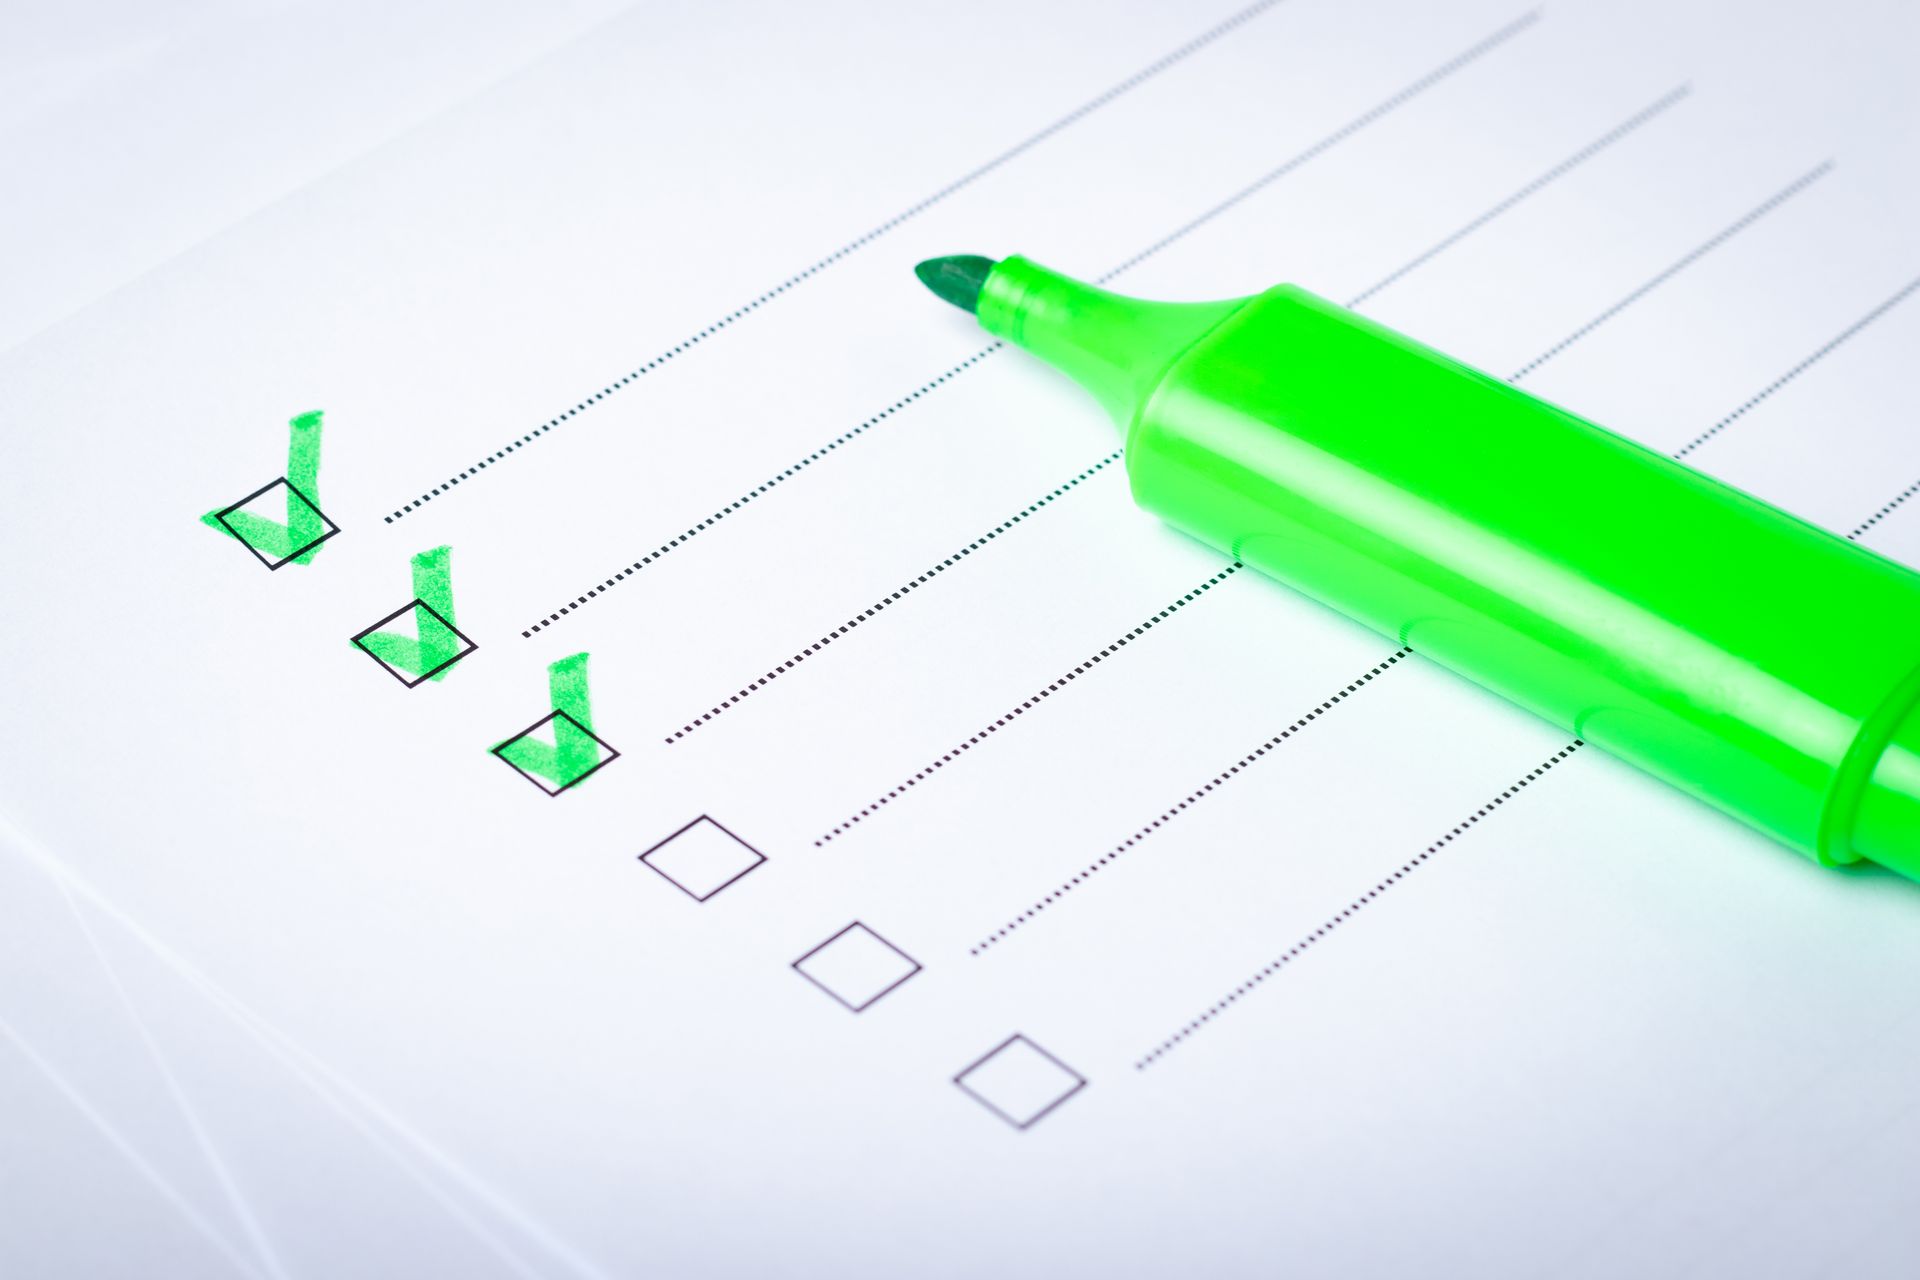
(1020, 1082)
(702, 858)
(856, 966)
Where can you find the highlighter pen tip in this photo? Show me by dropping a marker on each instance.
(957, 279)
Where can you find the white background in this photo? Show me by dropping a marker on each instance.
(300, 980)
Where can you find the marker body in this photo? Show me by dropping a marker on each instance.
(1747, 657)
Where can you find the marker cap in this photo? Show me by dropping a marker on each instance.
(1886, 827)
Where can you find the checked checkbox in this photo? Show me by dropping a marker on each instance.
(439, 643)
(573, 754)
(436, 644)
(560, 750)
(281, 522)
(278, 523)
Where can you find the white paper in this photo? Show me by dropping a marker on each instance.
(302, 980)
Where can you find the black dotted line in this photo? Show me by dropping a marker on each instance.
(1820, 353)
(1885, 511)
(1725, 234)
(1353, 908)
(1561, 170)
(1345, 131)
(899, 593)
(766, 485)
(1073, 117)
(1087, 873)
(1039, 696)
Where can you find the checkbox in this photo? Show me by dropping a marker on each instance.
(435, 635)
(272, 511)
(856, 966)
(1020, 1082)
(546, 758)
(702, 858)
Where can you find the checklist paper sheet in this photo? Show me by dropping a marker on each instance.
(568, 720)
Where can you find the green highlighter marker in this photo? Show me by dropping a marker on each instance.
(1743, 655)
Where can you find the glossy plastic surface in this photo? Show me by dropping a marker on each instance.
(1743, 655)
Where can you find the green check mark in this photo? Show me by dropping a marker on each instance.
(305, 527)
(575, 752)
(430, 652)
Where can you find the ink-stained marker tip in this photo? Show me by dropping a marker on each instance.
(957, 279)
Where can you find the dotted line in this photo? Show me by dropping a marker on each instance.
(1087, 873)
(897, 594)
(1561, 170)
(1039, 696)
(1353, 126)
(1725, 234)
(1349, 129)
(1820, 353)
(1353, 908)
(1073, 117)
(1885, 511)
(767, 485)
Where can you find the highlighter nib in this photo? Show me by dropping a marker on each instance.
(957, 279)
